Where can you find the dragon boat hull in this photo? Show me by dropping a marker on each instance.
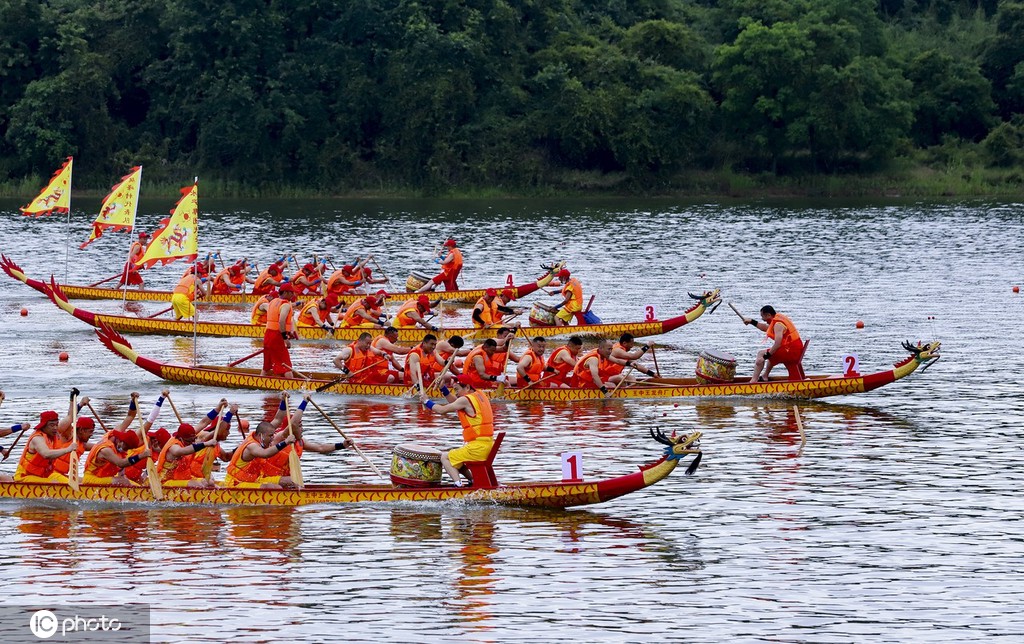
(76, 292)
(128, 324)
(533, 495)
(810, 387)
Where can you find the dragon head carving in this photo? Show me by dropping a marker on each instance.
(709, 299)
(678, 447)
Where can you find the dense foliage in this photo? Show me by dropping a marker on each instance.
(437, 94)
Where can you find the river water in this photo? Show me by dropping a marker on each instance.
(898, 520)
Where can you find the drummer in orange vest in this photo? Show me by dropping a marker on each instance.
(280, 329)
(477, 419)
(359, 362)
(423, 359)
(531, 367)
(594, 369)
(268, 280)
(317, 312)
(787, 347)
(572, 305)
(246, 469)
(259, 309)
(131, 269)
(562, 362)
(364, 312)
(483, 365)
(451, 267)
(412, 313)
(107, 460)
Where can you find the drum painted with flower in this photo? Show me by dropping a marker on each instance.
(415, 466)
(715, 367)
(542, 315)
(416, 280)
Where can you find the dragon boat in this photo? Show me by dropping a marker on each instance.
(129, 324)
(484, 490)
(77, 292)
(807, 387)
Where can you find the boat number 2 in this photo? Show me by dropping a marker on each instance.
(851, 365)
(649, 313)
(509, 281)
(572, 466)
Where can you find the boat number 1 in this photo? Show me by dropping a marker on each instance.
(509, 281)
(572, 466)
(649, 314)
(851, 365)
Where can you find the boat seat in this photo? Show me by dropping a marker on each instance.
(796, 368)
(482, 472)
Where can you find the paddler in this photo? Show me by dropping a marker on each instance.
(259, 309)
(572, 304)
(359, 360)
(385, 346)
(280, 330)
(109, 457)
(41, 451)
(562, 361)
(503, 301)
(178, 464)
(592, 370)
(185, 293)
(504, 338)
(453, 345)
(488, 311)
(157, 439)
(246, 469)
(423, 361)
(413, 313)
(477, 419)
(307, 280)
(787, 347)
(344, 280)
(131, 273)
(364, 312)
(625, 353)
(451, 267)
(276, 466)
(231, 280)
(270, 279)
(530, 368)
(317, 312)
(483, 366)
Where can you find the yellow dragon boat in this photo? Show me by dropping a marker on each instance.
(808, 387)
(143, 295)
(129, 324)
(557, 494)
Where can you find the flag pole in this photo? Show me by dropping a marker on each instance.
(199, 285)
(131, 242)
(67, 238)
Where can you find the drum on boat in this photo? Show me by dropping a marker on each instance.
(715, 368)
(415, 466)
(416, 280)
(542, 315)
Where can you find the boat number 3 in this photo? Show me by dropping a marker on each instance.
(509, 281)
(649, 314)
(572, 466)
(851, 365)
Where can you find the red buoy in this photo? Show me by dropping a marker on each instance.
(1016, 289)
(24, 312)
(860, 324)
(63, 357)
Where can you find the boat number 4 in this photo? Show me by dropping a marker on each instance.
(572, 466)
(649, 314)
(851, 365)
(509, 281)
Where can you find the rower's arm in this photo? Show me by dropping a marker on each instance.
(255, 451)
(39, 446)
(322, 448)
(595, 374)
(507, 310)
(457, 404)
(780, 330)
(133, 411)
(342, 358)
(523, 365)
(109, 455)
(478, 364)
(477, 317)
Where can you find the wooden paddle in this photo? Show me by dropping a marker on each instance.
(74, 482)
(737, 312)
(174, 409)
(358, 451)
(436, 384)
(17, 439)
(343, 377)
(623, 381)
(113, 277)
(159, 312)
(211, 452)
(500, 392)
(800, 427)
(294, 467)
(98, 419)
(381, 271)
(155, 486)
(248, 357)
(655, 358)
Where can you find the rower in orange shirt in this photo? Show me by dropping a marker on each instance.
(562, 362)
(364, 312)
(280, 329)
(413, 313)
(157, 437)
(307, 280)
(787, 347)
(109, 457)
(477, 419)
(531, 366)
(625, 355)
(270, 279)
(231, 280)
(483, 365)
(423, 359)
(592, 370)
(451, 267)
(385, 347)
(248, 463)
(276, 466)
(359, 360)
(317, 312)
(131, 273)
(259, 309)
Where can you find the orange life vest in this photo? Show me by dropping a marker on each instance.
(582, 371)
(455, 265)
(187, 286)
(492, 365)
(258, 315)
(613, 367)
(134, 472)
(536, 369)
(63, 463)
(35, 464)
(429, 366)
(274, 316)
(488, 312)
(179, 470)
(562, 369)
(352, 317)
(245, 471)
(301, 287)
(102, 469)
(402, 319)
(336, 282)
(576, 304)
(236, 280)
(790, 336)
(277, 465)
(261, 287)
(482, 423)
(311, 313)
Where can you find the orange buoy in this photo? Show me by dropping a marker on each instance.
(860, 324)
(63, 357)
(1016, 289)
(24, 311)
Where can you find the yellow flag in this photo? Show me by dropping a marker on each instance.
(119, 207)
(177, 237)
(56, 196)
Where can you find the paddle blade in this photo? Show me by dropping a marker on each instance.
(154, 481)
(294, 468)
(208, 458)
(73, 478)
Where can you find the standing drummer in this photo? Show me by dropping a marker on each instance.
(451, 267)
(572, 304)
(786, 347)
(477, 419)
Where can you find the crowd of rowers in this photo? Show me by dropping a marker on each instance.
(184, 458)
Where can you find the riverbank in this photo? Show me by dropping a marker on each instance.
(906, 180)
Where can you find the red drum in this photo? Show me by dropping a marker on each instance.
(415, 466)
(715, 368)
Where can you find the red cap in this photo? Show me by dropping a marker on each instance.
(131, 440)
(348, 268)
(424, 301)
(185, 431)
(332, 300)
(273, 294)
(464, 379)
(273, 269)
(286, 288)
(143, 235)
(234, 269)
(369, 300)
(508, 294)
(160, 435)
(46, 417)
(491, 292)
(382, 294)
(308, 268)
(564, 273)
(367, 270)
(84, 422)
(450, 243)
